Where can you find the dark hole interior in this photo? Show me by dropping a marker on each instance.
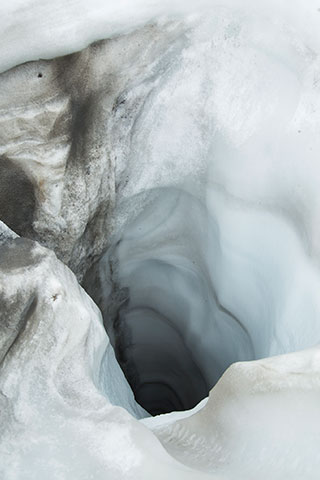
(157, 364)
(150, 349)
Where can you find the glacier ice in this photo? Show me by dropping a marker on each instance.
(170, 167)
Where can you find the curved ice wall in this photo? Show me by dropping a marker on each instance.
(174, 169)
(218, 258)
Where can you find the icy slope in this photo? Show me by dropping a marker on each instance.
(55, 422)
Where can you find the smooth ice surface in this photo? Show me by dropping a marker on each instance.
(210, 118)
(261, 421)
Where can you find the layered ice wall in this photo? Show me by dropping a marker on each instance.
(174, 168)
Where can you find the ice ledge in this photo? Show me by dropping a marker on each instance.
(34, 29)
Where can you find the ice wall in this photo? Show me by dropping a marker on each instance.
(216, 214)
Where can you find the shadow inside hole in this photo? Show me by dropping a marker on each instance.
(17, 198)
(157, 364)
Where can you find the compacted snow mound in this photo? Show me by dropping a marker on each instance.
(261, 421)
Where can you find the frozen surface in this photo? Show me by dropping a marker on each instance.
(187, 148)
